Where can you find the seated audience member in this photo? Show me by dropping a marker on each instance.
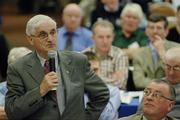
(172, 68)
(72, 36)
(158, 101)
(148, 62)
(174, 33)
(129, 37)
(13, 56)
(113, 61)
(110, 10)
(16, 53)
(111, 110)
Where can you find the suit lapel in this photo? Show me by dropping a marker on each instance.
(35, 69)
(148, 58)
(66, 74)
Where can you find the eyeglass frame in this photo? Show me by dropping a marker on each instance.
(175, 68)
(157, 95)
(46, 35)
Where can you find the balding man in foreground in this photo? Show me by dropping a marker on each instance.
(158, 101)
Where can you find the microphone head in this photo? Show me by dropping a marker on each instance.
(51, 54)
(52, 60)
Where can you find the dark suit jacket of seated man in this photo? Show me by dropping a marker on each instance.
(30, 95)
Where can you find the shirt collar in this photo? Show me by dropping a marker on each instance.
(152, 47)
(110, 53)
(133, 34)
(42, 60)
(76, 32)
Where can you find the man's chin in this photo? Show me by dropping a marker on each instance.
(172, 81)
(52, 48)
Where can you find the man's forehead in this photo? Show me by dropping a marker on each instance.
(175, 61)
(156, 23)
(46, 26)
(157, 86)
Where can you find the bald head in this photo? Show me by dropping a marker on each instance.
(72, 8)
(72, 16)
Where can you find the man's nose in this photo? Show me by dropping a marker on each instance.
(155, 30)
(50, 37)
(170, 71)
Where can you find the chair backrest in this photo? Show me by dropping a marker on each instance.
(164, 8)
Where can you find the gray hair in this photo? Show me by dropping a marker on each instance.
(103, 23)
(34, 22)
(133, 8)
(173, 53)
(171, 88)
(16, 53)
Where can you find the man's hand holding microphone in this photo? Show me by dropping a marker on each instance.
(50, 81)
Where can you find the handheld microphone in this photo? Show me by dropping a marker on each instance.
(52, 60)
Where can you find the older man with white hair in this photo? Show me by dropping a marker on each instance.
(172, 68)
(129, 37)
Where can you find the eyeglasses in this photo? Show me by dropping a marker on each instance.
(44, 35)
(157, 95)
(175, 68)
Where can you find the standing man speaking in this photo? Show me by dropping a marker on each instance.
(30, 95)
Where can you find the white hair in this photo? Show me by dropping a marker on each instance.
(133, 8)
(16, 53)
(173, 53)
(34, 22)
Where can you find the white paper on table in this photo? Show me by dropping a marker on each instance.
(137, 94)
(127, 97)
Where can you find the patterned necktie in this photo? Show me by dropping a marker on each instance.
(69, 41)
(46, 67)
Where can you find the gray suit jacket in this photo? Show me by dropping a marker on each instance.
(144, 71)
(140, 117)
(23, 100)
(176, 110)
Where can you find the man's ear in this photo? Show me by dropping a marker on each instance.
(30, 40)
(171, 105)
(166, 32)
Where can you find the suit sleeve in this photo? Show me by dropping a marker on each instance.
(97, 92)
(139, 76)
(20, 103)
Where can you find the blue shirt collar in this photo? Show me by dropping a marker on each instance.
(77, 31)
